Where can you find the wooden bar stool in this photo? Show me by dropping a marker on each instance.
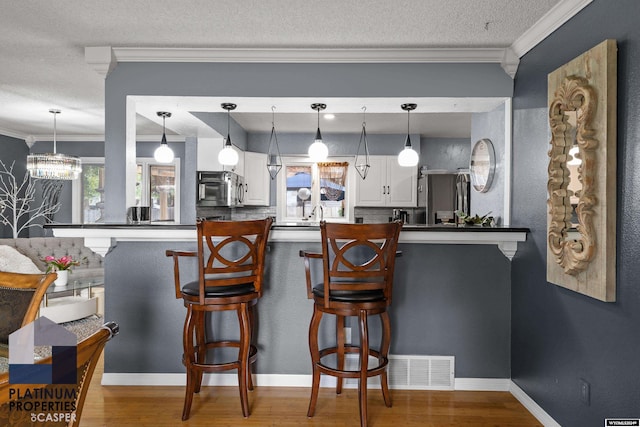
(358, 263)
(230, 265)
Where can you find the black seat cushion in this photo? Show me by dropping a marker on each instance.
(193, 289)
(350, 296)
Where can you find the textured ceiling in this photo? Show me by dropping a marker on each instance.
(42, 42)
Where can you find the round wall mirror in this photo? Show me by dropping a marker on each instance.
(482, 165)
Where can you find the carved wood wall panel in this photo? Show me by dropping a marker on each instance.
(581, 219)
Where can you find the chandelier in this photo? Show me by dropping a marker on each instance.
(53, 165)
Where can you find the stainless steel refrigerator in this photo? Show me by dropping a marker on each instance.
(443, 193)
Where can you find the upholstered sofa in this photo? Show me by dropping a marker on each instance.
(37, 248)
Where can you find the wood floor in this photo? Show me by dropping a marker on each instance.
(285, 406)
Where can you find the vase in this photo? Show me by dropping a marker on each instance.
(63, 278)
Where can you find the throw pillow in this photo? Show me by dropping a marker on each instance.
(13, 261)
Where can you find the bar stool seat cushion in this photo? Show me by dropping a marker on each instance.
(192, 289)
(350, 296)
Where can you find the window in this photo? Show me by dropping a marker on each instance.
(303, 186)
(157, 186)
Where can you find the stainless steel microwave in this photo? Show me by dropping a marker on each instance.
(220, 189)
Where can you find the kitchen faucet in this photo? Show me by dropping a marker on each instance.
(313, 211)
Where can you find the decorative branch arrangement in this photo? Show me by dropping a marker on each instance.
(16, 199)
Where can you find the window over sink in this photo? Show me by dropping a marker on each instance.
(313, 191)
(157, 186)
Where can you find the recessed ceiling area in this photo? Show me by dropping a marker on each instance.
(434, 117)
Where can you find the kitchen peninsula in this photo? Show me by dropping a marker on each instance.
(451, 297)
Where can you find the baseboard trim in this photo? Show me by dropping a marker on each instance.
(278, 380)
(482, 384)
(531, 406)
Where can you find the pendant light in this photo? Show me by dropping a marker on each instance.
(408, 157)
(54, 165)
(274, 159)
(361, 161)
(228, 156)
(163, 154)
(318, 151)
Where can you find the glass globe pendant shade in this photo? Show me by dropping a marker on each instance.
(228, 156)
(163, 154)
(408, 157)
(318, 151)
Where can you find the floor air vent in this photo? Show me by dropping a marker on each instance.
(410, 372)
(422, 372)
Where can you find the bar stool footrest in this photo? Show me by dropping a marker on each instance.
(383, 362)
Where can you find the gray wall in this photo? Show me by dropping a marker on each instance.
(438, 309)
(279, 80)
(445, 153)
(559, 336)
(490, 125)
(13, 150)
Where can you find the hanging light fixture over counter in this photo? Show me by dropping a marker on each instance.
(274, 159)
(318, 151)
(54, 165)
(163, 154)
(228, 156)
(408, 157)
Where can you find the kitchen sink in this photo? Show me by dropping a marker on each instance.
(302, 224)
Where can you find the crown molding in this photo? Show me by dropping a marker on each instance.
(550, 21)
(101, 59)
(12, 134)
(279, 55)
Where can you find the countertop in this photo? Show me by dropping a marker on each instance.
(101, 237)
(285, 226)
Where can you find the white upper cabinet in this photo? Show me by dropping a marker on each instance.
(208, 150)
(256, 179)
(388, 184)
